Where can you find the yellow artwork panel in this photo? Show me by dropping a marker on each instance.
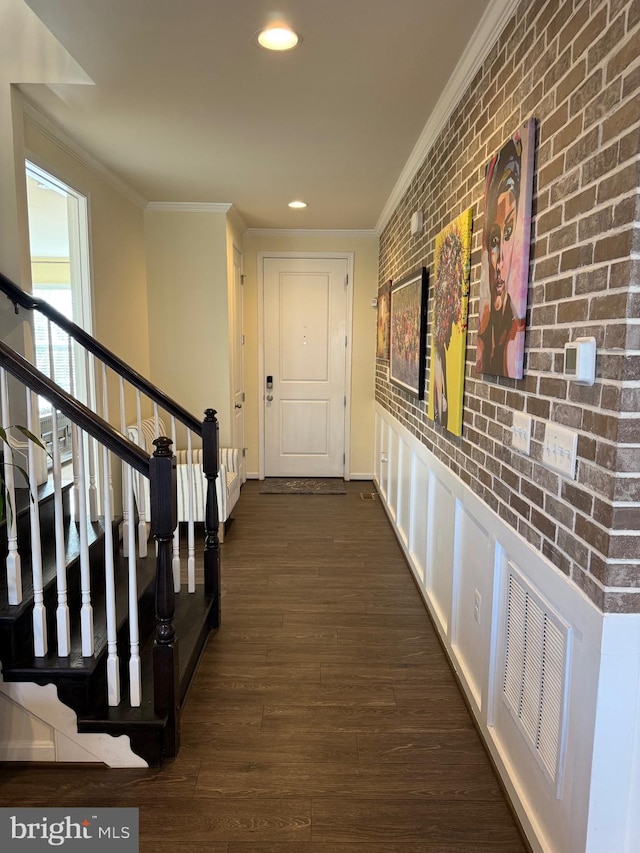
(449, 323)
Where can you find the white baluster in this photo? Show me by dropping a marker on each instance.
(113, 663)
(135, 679)
(156, 430)
(75, 450)
(175, 561)
(91, 402)
(142, 508)
(14, 571)
(52, 366)
(62, 611)
(39, 611)
(86, 611)
(191, 550)
(105, 415)
(125, 504)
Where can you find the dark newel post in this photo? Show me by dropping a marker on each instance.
(164, 518)
(210, 456)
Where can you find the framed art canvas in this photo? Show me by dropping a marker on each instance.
(505, 256)
(384, 320)
(409, 333)
(449, 324)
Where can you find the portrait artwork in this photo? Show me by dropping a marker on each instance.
(408, 333)
(384, 321)
(449, 323)
(505, 256)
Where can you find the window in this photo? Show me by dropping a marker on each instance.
(59, 243)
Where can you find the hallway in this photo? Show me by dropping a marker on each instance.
(324, 717)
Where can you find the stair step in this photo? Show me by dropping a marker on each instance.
(16, 631)
(20, 507)
(75, 663)
(142, 724)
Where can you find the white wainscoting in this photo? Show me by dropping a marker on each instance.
(568, 753)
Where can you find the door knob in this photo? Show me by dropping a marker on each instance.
(238, 405)
(269, 398)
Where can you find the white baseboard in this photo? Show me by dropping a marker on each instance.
(28, 751)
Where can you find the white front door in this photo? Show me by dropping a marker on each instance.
(305, 328)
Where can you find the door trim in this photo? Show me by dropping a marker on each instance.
(348, 256)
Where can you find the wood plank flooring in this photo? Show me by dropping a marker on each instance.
(324, 717)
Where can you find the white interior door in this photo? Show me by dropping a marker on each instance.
(305, 328)
(238, 362)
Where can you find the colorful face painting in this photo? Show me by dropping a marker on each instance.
(384, 319)
(505, 256)
(449, 324)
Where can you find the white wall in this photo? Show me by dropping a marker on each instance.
(189, 308)
(118, 267)
(462, 554)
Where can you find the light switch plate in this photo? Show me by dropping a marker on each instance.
(521, 432)
(559, 450)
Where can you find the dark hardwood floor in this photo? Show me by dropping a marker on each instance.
(324, 717)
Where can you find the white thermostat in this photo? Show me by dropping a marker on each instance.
(580, 360)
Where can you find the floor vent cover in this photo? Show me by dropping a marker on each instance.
(534, 684)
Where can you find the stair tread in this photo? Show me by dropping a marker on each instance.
(75, 662)
(95, 531)
(192, 610)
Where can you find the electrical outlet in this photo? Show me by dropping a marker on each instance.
(476, 606)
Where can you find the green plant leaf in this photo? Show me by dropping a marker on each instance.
(34, 438)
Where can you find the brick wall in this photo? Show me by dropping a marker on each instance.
(575, 67)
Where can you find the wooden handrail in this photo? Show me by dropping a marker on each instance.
(76, 411)
(31, 303)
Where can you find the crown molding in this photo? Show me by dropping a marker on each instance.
(310, 232)
(188, 207)
(496, 17)
(57, 135)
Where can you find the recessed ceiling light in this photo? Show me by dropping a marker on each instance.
(278, 38)
(298, 204)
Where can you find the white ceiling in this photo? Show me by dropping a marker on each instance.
(185, 106)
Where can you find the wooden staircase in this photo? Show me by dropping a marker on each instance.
(123, 630)
(80, 680)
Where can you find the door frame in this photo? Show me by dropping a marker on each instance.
(237, 348)
(348, 257)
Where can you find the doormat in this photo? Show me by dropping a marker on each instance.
(302, 486)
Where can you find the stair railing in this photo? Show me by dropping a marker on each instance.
(91, 368)
(160, 469)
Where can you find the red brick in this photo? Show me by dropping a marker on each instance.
(575, 24)
(572, 81)
(627, 54)
(626, 117)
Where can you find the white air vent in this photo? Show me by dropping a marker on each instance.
(535, 674)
